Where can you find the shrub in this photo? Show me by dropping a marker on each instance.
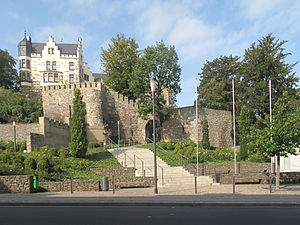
(46, 150)
(205, 134)
(64, 152)
(30, 164)
(57, 169)
(43, 167)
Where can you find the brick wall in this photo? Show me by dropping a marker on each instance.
(16, 184)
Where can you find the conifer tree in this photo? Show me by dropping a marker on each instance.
(205, 134)
(79, 142)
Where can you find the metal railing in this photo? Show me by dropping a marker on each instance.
(182, 156)
(160, 148)
(162, 174)
(134, 164)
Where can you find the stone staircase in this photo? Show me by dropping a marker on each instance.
(143, 160)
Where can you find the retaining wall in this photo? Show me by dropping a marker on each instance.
(16, 184)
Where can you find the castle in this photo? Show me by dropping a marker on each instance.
(55, 70)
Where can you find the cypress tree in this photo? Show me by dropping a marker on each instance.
(244, 130)
(205, 134)
(79, 142)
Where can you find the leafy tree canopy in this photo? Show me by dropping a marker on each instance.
(162, 62)
(17, 107)
(118, 62)
(265, 61)
(215, 89)
(8, 74)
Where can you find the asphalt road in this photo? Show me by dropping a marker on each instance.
(123, 215)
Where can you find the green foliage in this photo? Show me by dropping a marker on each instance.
(262, 62)
(215, 89)
(43, 167)
(118, 62)
(162, 62)
(283, 137)
(30, 164)
(17, 107)
(244, 125)
(8, 74)
(79, 142)
(205, 134)
(47, 151)
(64, 152)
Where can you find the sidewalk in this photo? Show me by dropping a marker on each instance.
(245, 195)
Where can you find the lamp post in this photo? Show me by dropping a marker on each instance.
(14, 133)
(233, 112)
(118, 134)
(197, 135)
(153, 86)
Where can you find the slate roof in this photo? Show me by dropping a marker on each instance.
(64, 48)
(99, 76)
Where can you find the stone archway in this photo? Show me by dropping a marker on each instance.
(149, 131)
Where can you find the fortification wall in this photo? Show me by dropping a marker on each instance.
(182, 125)
(22, 131)
(58, 105)
(119, 108)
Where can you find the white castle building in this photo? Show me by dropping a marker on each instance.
(51, 63)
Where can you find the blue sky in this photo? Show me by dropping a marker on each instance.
(199, 30)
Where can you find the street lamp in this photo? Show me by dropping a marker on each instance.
(153, 86)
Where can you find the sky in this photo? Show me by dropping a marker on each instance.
(200, 30)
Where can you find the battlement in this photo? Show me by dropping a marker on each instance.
(85, 85)
(57, 124)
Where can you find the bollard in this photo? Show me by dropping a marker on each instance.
(215, 170)
(134, 161)
(114, 186)
(125, 159)
(72, 185)
(195, 184)
(162, 176)
(233, 184)
(270, 183)
(144, 173)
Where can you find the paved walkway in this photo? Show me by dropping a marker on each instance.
(288, 195)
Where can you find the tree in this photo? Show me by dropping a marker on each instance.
(118, 62)
(162, 62)
(262, 62)
(79, 142)
(8, 74)
(205, 134)
(215, 89)
(282, 136)
(244, 130)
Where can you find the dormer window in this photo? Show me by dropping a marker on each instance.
(50, 50)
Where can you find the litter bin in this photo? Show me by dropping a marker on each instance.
(105, 185)
(35, 183)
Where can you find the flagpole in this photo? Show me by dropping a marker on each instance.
(197, 137)
(233, 112)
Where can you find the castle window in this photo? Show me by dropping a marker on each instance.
(23, 63)
(53, 65)
(28, 76)
(50, 50)
(48, 65)
(45, 77)
(55, 77)
(23, 76)
(71, 78)
(28, 63)
(71, 65)
(50, 76)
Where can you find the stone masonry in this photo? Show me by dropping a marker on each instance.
(16, 184)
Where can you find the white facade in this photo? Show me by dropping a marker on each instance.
(51, 63)
(291, 163)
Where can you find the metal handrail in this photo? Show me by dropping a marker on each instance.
(179, 155)
(143, 170)
(162, 174)
(162, 149)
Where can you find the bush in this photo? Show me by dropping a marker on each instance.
(30, 164)
(46, 150)
(64, 152)
(95, 144)
(43, 167)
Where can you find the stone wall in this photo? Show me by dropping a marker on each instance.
(122, 171)
(211, 169)
(182, 125)
(93, 184)
(16, 184)
(22, 131)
